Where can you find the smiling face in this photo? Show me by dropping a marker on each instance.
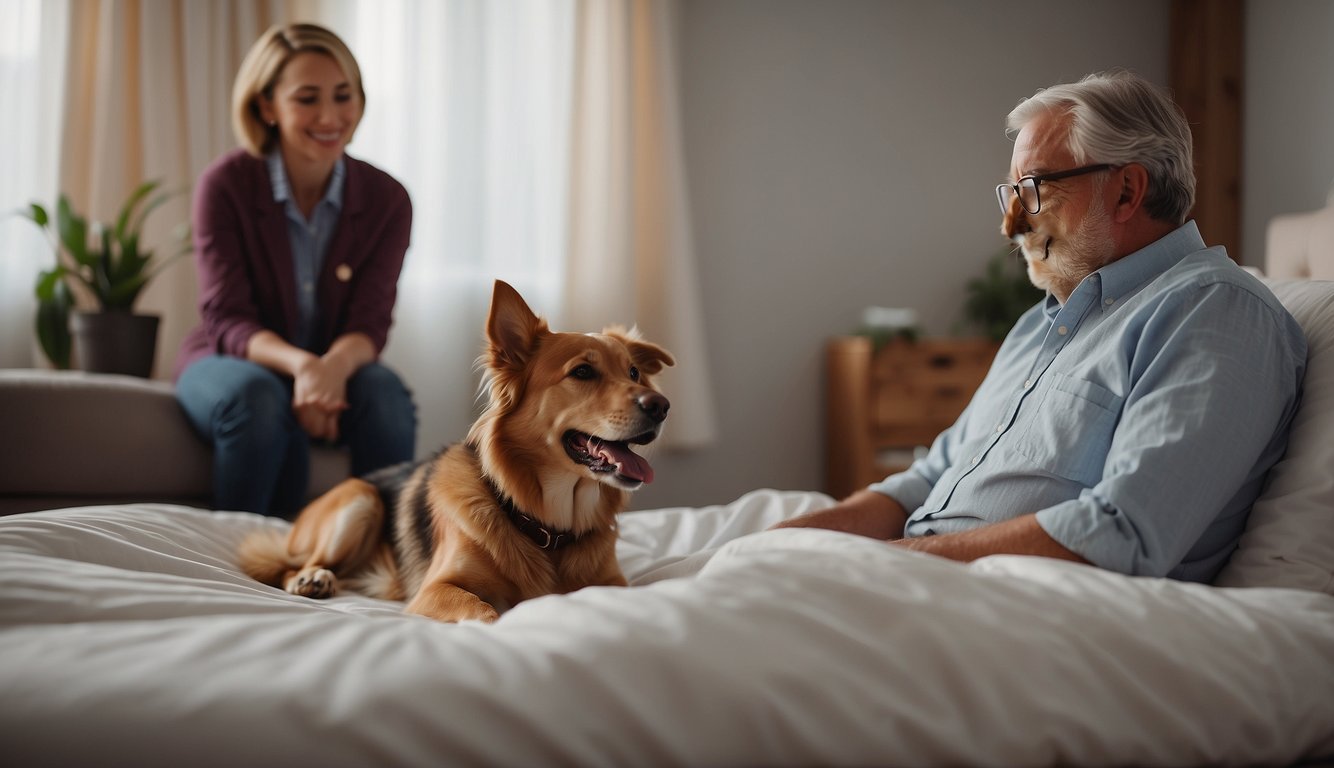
(593, 396)
(1071, 234)
(315, 109)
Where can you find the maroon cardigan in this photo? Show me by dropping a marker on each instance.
(244, 259)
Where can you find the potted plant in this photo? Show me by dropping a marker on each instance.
(109, 264)
(994, 301)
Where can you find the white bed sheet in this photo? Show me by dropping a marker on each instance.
(127, 636)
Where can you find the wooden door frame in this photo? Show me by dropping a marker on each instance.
(1206, 73)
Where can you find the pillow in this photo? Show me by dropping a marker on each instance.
(1289, 538)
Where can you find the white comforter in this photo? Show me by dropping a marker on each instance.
(127, 636)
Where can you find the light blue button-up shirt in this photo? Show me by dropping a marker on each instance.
(1138, 420)
(310, 241)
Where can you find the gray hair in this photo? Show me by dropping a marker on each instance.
(1119, 117)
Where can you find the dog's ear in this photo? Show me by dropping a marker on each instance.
(648, 357)
(512, 329)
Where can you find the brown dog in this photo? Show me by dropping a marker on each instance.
(525, 507)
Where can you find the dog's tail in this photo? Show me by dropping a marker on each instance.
(263, 556)
(379, 577)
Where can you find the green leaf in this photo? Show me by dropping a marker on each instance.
(993, 302)
(47, 282)
(139, 193)
(131, 263)
(73, 230)
(124, 293)
(38, 214)
(103, 269)
(52, 320)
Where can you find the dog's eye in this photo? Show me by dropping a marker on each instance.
(584, 371)
(634, 373)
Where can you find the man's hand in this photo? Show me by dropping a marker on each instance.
(867, 513)
(864, 513)
(1020, 536)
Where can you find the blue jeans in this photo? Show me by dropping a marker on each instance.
(261, 455)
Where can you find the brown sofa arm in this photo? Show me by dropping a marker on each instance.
(73, 438)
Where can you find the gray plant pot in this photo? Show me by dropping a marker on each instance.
(115, 342)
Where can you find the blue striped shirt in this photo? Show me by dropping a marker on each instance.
(1138, 420)
(310, 242)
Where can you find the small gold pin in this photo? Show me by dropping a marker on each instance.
(343, 273)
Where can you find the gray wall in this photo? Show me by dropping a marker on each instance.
(1288, 164)
(843, 154)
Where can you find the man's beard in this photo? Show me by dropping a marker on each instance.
(1059, 266)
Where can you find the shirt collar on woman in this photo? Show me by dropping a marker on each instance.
(282, 189)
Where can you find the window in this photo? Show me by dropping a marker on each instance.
(31, 72)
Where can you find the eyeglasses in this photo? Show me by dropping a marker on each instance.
(1027, 187)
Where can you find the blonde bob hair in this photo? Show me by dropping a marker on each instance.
(261, 68)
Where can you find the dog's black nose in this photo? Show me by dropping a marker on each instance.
(654, 406)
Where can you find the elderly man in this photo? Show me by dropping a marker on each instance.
(1130, 418)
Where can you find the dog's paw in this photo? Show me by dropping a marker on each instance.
(313, 582)
(481, 612)
(475, 610)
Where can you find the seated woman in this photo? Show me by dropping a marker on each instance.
(298, 248)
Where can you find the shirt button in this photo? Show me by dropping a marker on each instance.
(1109, 302)
(1028, 384)
(974, 460)
(1062, 330)
(1000, 427)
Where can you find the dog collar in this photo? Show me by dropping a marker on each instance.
(542, 536)
(545, 538)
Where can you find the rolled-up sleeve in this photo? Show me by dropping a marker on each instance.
(1215, 380)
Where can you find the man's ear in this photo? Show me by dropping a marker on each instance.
(1133, 184)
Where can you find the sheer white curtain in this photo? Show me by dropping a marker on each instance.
(30, 88)
(631, 251)
(467, 104)
(539, 140)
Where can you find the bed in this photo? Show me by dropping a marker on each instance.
(129, 637)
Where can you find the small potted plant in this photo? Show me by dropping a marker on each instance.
(994, 301)
(109, 264)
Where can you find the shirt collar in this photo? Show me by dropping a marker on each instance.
(1129, 272)
(282, 190)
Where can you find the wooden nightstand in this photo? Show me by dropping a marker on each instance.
(882, 404)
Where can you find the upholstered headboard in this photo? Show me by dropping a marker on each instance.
(1301, 246)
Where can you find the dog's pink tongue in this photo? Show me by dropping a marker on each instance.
(628, 463)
